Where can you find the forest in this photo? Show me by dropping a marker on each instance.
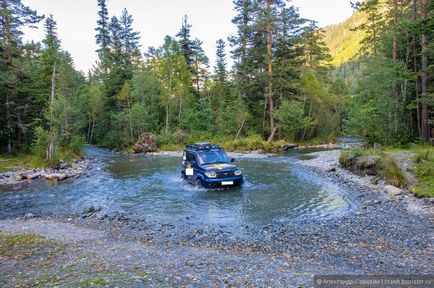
(286, 84)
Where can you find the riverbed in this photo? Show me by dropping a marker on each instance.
(289, 222)
(276, 189)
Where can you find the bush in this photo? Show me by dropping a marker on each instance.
(77, 143)
(41, 143)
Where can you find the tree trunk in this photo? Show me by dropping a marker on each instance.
(241, 127)
(167, 118)
(129, 117)
(270, 72)
(395, 24)
(8, 96)
(415, 69)
(395, 58)
(51, 149)
(424, 75)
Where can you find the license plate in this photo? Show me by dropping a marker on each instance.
(227, 182)
(189, 171)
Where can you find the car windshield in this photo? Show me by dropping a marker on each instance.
(213, 157)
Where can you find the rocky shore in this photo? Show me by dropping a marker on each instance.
(75, 169)
(326, 163)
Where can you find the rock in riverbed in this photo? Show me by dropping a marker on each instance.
(147, 143)
(64, 171)
(392, 190)
(91, 209)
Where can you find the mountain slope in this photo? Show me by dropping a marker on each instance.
(343, 42)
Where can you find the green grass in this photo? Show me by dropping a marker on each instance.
(389, 170)
(424, 160)
(385, 165)
(250, 143)
(20, 246)
(16, 162)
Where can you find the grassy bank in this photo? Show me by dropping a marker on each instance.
(410, 167)
(250, 143)
(424, 160)
(14, 162)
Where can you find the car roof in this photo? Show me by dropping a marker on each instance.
(203, 146)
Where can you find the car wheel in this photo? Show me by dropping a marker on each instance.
(199, 183)
(183, 176)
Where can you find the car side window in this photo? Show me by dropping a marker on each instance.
(190, 157)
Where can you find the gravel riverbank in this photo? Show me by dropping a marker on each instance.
(386, 234)
(75, 169)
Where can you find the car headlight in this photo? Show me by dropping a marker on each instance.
(238, 172)
(211, 174)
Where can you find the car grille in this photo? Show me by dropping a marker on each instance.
(225, 174)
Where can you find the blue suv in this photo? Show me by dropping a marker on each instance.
(207, 165)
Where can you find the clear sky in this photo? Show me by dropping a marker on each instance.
(211, 20)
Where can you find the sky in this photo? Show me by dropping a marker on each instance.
(210, 20)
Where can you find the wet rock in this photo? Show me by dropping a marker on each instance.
(88, 209)
(29, 215)
(392, 190)
(56, 176)
(64, 165)
(146, 143)
(289, 146)
(375, 180)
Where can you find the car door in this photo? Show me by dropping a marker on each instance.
(189, 167)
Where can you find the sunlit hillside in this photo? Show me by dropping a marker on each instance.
(342, 40)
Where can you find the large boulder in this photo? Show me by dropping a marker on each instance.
(147, 143)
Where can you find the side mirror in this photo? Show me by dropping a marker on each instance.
(193, 163)
(232, 160)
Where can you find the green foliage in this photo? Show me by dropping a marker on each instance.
(372, 112)
(424, 160)
(292, 119)
(172, 94)
(41, 143)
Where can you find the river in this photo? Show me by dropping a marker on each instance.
(276, 189)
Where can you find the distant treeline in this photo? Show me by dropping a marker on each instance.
(281, 85)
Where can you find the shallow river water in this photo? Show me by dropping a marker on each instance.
(276, 189)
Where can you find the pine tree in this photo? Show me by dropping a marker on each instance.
(220, 68)
(220, 92)
(103, 33)
(51, 39)
(241, 41)
(118, 72)
(129, 38)
(199, 65)
(14, 15)
(185, 43)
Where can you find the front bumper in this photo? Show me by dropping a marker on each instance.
(217, 182)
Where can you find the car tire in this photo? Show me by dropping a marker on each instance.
(183, 176)
(199, 184)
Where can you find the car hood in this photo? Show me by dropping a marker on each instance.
(220, 167)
